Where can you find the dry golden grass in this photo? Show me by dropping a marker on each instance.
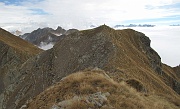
(81, 105)
(17, 43)
(122, 96)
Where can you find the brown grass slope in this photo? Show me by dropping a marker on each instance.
(84, 83)
(125, 55)
(17, 43)
(13, 53)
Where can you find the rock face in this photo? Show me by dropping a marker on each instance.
(45, 36)
(176, 84)
(14, 52)
(123, 54)
(177, 70)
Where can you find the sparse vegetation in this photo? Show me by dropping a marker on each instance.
(122, 96)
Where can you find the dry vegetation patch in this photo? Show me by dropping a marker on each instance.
(86, 83)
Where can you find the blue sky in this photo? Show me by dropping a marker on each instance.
(18, 2)
(82, 13)
(12, 2)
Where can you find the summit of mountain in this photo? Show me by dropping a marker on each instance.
(60, 30)
(120, 55)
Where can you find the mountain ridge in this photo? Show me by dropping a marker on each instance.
(125, 55)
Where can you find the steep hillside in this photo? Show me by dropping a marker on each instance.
(14, 52)
(125, 55)
(17, 43)
(45, 36)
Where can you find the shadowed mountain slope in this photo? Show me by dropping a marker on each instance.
(125, 55)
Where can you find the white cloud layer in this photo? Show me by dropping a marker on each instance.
(31, 14)
(82, 13)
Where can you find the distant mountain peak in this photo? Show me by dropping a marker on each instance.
(59, 28)
(46, 36)
(104, 28)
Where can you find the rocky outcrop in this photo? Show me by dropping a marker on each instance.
(176, 83)
(97, 100)
(123, 54)
(177, 70)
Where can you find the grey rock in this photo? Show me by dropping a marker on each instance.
(97, 99)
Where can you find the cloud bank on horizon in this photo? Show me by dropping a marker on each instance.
(82, 13)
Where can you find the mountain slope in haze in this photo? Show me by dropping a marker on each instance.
(124, 55)
(14, 52)
(45, 36)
